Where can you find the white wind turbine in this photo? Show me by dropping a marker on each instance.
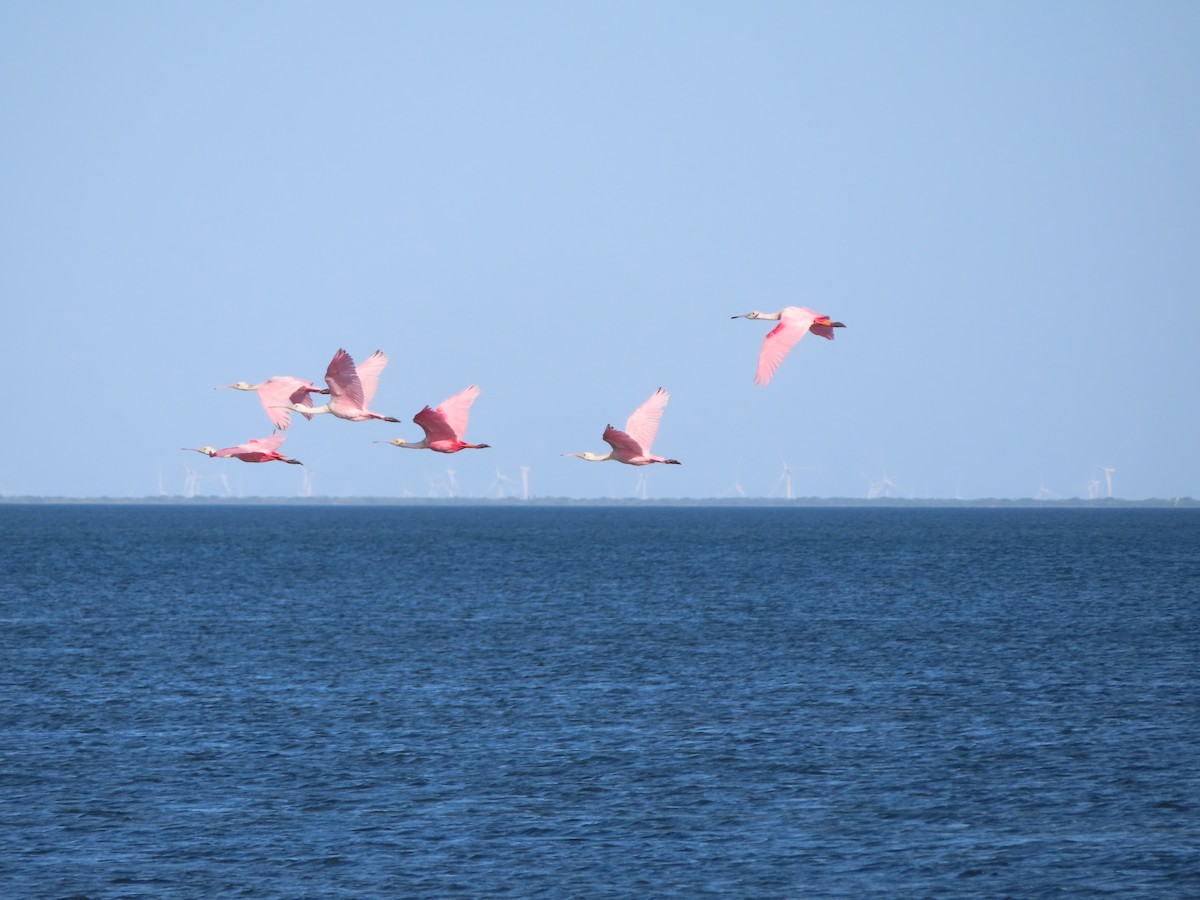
(881, 488)
(640, 491)
(737, 490)
(441, 487)
(498, 485)
(785, 479)
(191, 484)
(524, 482)
(1108, 474)
(306, 491)
(452, 483)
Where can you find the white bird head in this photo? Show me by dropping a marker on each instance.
(207, 451)
(589, 456)
(750, 315)
(395, 442)
(239, 386)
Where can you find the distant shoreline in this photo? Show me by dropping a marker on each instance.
(730, 502)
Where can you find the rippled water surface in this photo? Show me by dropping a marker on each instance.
(356, 701)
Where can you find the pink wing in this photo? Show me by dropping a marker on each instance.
(368, 375)
(280, 390)
(435, 426)
(642, 426)
(255, 445)
(624, 446)
(456, 408)
(264, 445)
(825, 331)
(794, 323)
(343, 380)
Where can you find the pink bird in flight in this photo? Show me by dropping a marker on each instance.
(794, 321)
(444, 426)
(255, 450)
(632, 446)
(351, 389)
(279, 394)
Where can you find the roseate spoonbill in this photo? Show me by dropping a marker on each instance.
(351, 388)
(444, 426)
(255, 450)
(632, 446)
(794, 321)
(277, 391)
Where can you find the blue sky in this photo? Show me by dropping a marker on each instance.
(566, 203)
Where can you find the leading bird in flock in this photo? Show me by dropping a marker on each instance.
(632, 446)
(255, 450)
(279, 394)
(444, 426)
(794, 321)
(351, 388)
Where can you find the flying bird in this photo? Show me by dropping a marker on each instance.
(255, 450)
(278, 394)
(351, 388)
(444, 426)
(632, 446)
(794, 321)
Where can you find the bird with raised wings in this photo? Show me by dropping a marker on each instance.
(794, 322)
(351, 388)
(279, 395)
(255, 450)
(444, 426)
(632, 446)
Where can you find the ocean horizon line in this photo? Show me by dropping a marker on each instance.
(768, 502)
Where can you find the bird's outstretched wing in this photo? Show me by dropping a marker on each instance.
(277, 392)
(794, 322)
(368, 375)
(435, 426)
(456, 409)
(254, 445)
(342, 378)
(264, 445)
(624, 446)
(642, 425)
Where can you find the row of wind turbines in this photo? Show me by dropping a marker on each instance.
(351, 388)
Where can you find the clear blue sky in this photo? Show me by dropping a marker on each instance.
(565, 203)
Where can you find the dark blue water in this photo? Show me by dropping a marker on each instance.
(598, 702)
